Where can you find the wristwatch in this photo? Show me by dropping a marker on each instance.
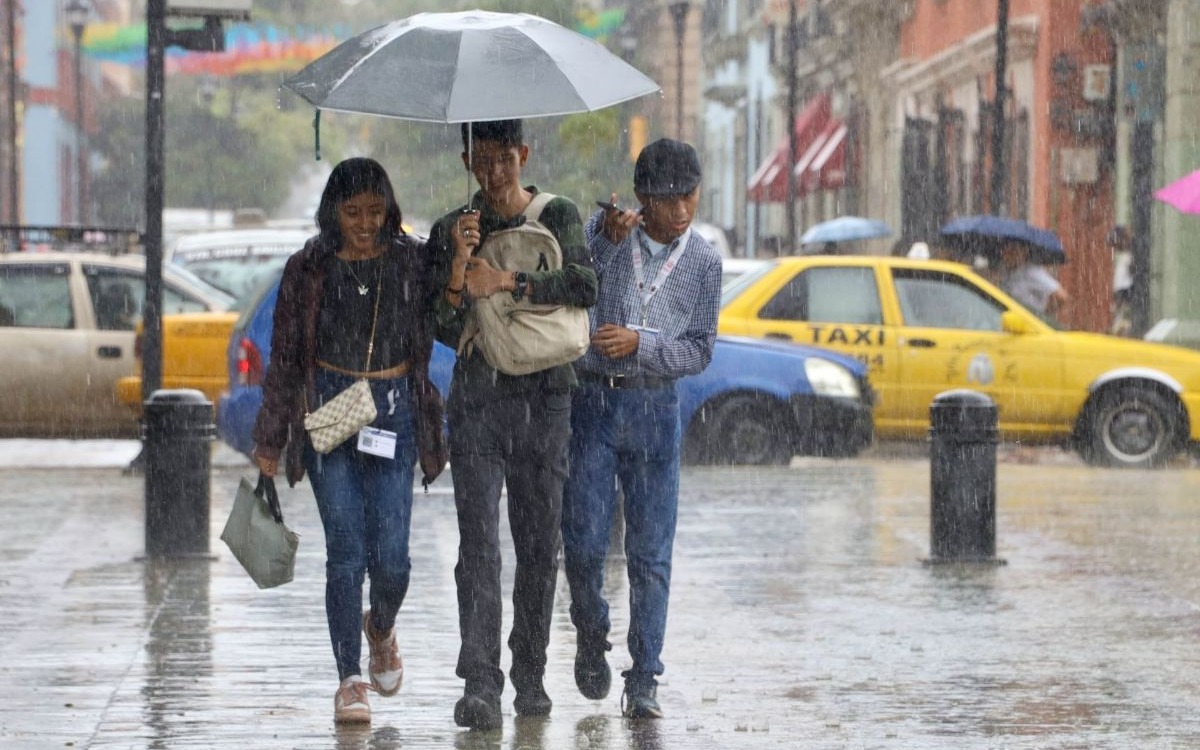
(522, 282)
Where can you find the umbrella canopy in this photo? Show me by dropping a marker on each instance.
(1183, 194)
(466, 67)
(845, 229)
(987, 234)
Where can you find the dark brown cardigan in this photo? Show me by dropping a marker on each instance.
(292, 369)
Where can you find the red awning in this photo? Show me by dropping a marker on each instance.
(820, 157)
(823, 165)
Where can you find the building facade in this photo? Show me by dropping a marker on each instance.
(896, 120)
(50, 113)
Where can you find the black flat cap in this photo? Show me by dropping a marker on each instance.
(666, 167)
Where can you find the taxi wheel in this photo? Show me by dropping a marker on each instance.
(748, 431)
(1132, 428)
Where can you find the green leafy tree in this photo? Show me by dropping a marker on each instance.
(246, 144)
(237, 151)
(118, 175)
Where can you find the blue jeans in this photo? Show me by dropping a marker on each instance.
(365, 503)
(633, 436)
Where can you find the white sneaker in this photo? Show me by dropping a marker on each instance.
(350, 701)
(386, 667)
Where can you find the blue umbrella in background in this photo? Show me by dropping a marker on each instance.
(988, 234)
(845, 229)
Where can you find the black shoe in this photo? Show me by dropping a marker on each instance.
(639, 700)
(478, 712)
(532, 700)
(592, 675)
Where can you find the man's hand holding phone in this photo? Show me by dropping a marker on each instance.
(618, 222)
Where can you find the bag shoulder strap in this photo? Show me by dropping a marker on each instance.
(537, 205)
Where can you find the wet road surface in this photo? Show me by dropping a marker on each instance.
(801, 617)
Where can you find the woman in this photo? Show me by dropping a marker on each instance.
(353, 304)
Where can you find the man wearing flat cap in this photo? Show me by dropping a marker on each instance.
(655, 321)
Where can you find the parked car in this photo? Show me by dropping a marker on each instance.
(925, 326)
(193, 356)
(757, 403)
(237, 260)
(733, 269)
(194, 343)
(67, 325)
(715, 235)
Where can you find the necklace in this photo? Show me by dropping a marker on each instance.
(362, 288)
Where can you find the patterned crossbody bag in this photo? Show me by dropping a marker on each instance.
(341, 417)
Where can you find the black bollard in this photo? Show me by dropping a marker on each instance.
(962, 462)
(177, 429)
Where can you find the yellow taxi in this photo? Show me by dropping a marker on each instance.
(246, 262)
(236, 261)
(923, 327)
(193, 356)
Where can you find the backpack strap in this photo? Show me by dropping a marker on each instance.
(534, 210)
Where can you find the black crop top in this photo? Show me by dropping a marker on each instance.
(344, 324)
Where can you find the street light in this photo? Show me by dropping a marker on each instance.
(679, 13)
(77, 13)
(997, 200)
(208, 92)
(635, 124)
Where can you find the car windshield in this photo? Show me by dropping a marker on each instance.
(236, 276)
(249, 302)
(734, 287)
(215, 293)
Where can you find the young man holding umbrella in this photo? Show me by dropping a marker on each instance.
(505, 429)
(655, 321)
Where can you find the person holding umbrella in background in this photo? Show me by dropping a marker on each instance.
(505, 429)
(1030, 283)
(655, 322)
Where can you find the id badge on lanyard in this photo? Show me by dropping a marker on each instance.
(646, 295)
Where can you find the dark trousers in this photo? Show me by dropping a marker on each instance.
(519, 440)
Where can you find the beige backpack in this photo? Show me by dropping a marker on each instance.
(518, 337)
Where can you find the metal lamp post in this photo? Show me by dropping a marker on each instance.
(679, 13)
(792, 107)
(77, 12)
(208, 92)
(997, 201)
(14, 175)
(627, 44)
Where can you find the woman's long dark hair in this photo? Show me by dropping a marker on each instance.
(350, 178)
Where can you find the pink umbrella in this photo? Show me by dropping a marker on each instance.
(1183, 194)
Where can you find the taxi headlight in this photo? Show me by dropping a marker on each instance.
(830, 379)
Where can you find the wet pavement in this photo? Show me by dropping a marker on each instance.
(801, 617)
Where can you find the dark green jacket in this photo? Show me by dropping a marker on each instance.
(575, 284)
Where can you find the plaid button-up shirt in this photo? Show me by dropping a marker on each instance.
(682, 313)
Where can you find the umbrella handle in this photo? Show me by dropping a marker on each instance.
(470, 145)
(317, 133)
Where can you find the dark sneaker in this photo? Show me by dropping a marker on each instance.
(592, 675)
(532, 700)
(478, 712)
(639, 700)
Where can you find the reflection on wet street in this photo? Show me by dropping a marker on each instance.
(801, 617)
